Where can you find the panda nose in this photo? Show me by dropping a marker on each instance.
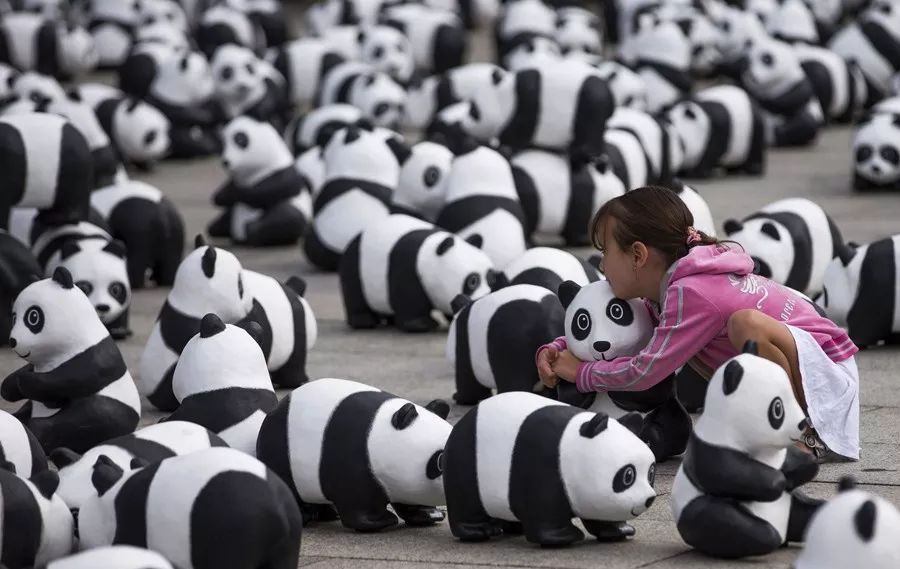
(803, 424)
(601, 346)
(650, 501)
(102, 308)
(876, 170)
(12, 342)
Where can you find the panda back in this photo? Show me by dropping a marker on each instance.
(549, 176)
(740, 111)
(106, 199)
(544, 265)
(628, 157)
(18, 446)
(178, 437)
(38, 138)
(47, 245)
(272, 296)
(377, 245)
(852, 44)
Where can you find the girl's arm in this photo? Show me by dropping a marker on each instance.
(688, 323)
(559, 344)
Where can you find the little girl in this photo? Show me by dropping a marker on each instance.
(706, 303)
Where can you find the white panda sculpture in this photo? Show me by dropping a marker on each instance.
(492, 340)
(20, 448)
(534, 51)
(660, 52)
(522, 463)
(402, 268)
(388, 50)
(175, 507)
(112, 24)
(316, 127)
(113, 557)
(578, 33)
(427, 96)
(265, 198)
(735, 492)
(548, 267)
(148, 445)
(659, 139)
(31, 42)
(627, 157)
(76, 384)
(437, 37)
(854, 527)
(421, 188)
(222, 24)
(627, 86)
(247, 85)
(703, 219)
(381, 99)
(520, 21)
(793, 240)
(361, 450)
(839, 85)
(304, 63)
(34, 85)
(876, 152)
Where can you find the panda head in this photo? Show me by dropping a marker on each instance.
(381, 99)
(75, 471)
(659, 41)
(98, 268)
(141, 132)
(693, 126)
(388, 50)
(479, 170)
(422, 174)
(876, 149)
(490, 104)
(53, 321)
(738, 30)
(771, 69)
(793, 21)
(704, 39)
(96, 516)
(750, 406)
(534, 51)
(316, 127)
(600, 326)
(361, 154)
(37, 87)
(167, 12)
(252, 150)
(77, 53)
(55, 524)
(886, 13)
(840, 285)
(628, 87)
(578, 32)
(182, 77)
(768, 242)
(854, 528)
(238, 77)
(164, 34)
(450, 266)
(209, 280)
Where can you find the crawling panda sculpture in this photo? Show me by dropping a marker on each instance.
(421, 188)
(548, 267)
(522, 463)
(735, 493)
(362, 450)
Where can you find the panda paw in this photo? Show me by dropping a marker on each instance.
(419, 516)
(475, 531)
(608, 531)
(422, 324)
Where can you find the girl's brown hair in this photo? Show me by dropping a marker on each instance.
(653, 215)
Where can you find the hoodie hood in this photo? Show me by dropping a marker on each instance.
(708, 260)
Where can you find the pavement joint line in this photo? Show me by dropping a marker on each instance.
(664, 559)
(446, 562)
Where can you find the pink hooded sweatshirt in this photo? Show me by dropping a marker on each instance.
(699, 293)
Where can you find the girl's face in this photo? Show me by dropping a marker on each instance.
(618, 265)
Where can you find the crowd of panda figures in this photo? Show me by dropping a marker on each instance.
(577, 108)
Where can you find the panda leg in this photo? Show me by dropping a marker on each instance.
(220, 226)
(546, 533)
(84, 423)
(666, 430)
(23, 414)
(756, 161)
(171, 248)
(374, 518)
(118, 328)
(691, 388)
(799, 130)
(721, 527)
(418, 516)
(608, 531)
(318, 253)
(280, 225)
(802, 510)
(359, 314)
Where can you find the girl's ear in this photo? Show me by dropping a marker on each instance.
(640, 254)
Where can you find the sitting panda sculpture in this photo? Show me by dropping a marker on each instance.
(521, 463)
(437, 37)
(735, 493)
(364, 450)
(248, 86)
(78, 390)
(876, 152)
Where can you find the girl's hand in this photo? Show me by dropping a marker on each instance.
(566, 366)
(544, 362)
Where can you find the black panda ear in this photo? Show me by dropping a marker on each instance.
(296, 284)
(360, 37)
(401, 151)
(864, 520)
(106, 474)
(199, 241)
(595, 426)
(63, 457)
(475, 240)
(137, 462)
(846, 254)
(75, 95)
(132, 105)
(567, 291)
(116, 248)
(769, 229)
(46, 482)
(445, 245)
(8, 466)
(211, 325)
(732, 375)
(208, 264)
(253, 328)
(846, 483)
(732, 226)
(439, 407)
(365, 124)
(632, 421)
(459, 302)
(68, 249)
(404, 416)
(351, 134)
(750, 347)
(62, 276)
(496, 280)
(496, 76)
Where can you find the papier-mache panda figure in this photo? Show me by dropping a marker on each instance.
(427, 96)
(421, 189)
(401, 268)
(30, 42)
(854, 527)
(19, 447)
(388, 50)
(578, 33)
(113, 557)
(876, 152)
(703, 219)
(36, 86)
(861, 291)
(792, 21)
(521, 21)
(146, 221)
(221, 382)
(792, 240)
(548, 267)
(481, 204)
(735, 494)
(535, 51)
(223, 24)
(839, 85)
(517, 463)
(627, 86)
(362, 450)
(361, 172)
(563, 106)
(381, 99)
(264, 198)
(37, 527)
(78, 390)
(176, 508)
(659, 140)
(248, 86)
(721, 126)
(150, 445)
(304, 63)
(316, 127)
(48, 166)
(660, 52)
(492, 340)
(171, 12)
(112, 24)
(18, 269)
(207, 280)
(627, 157)
(558, 198)
(437, 37)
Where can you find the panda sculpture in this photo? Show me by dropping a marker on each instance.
(703, 219)
(437, 37)
(563, 106)
(854, 527)
(20, 448)
(548, 267)
(149, 444)
(36, 527)
(59, 182)
(402, 268)
(221, 382)
(492, 340)
(304, 64)
(223, 24)
(311, 166)
(627, 86)
(207, 280)
(533, 52)
(361, 450)
(113, 557)
(481, 204)
(578, 33)
(839, 85)
(264, 199)
(860, 292)
(381, 99)
(521, 463)
(658, 138)
(146, 221)
(421, 189)
(792, 22)
(361, 172)
(627, 157)
(558, 198)
(720, 126)
(660, 52)
(36, 86)
(876, 152)
(520, 21)
(18, 269)
(175, 507)
(151, 12)
(316, 127)
(78, 390)
(427, 96)
(29, 42)
(112, 24)
(735, 493)
(792, 240)
(248, 86)
(388, 50)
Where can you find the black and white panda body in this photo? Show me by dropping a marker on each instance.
(20, 448)
(520, 22)
(175, 507)
(421, 190)
(31, 42)
(839, 85)
(491, 341)
(113, 557)
(304, 63)
(18, 269)
(247, 85)
(380, 98)
(426, 98)
(360, 451)
(437, 37)
(511, 444)
(876, 152)
(549, 267)
(222, 25)
(626, 155)
(316, 127)
(659, 140)
(661, 54)
(78, 388)
(112, 24)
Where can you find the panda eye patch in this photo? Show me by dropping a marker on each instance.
(227, 73)
(767, 59)
(431, 176)
(624, 478)
(381, 108)
(240, 287)
(86, 287)
(581, 324)
(619, 312)
(651, 474)
(150, 137)
(435, 466)
(378, 52)
(250, 69)
(473, 281)
(890, 155)
(241, 140)
(117, 291)
(34, 319)
(863, 153)
(776, 413)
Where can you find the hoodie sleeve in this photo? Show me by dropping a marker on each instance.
(688, 323)
(558, 343)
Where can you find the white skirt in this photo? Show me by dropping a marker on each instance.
(832, 395)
